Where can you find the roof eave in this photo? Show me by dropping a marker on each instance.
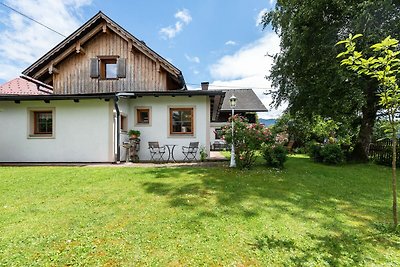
(132, 94)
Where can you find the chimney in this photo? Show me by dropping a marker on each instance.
(204, 86)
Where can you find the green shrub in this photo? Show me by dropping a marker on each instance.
(300, 150)
(326, 153)
(332, 154)
(314, 151)
(275, 155)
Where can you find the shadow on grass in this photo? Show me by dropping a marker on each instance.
(334, 250)
(305, 185)
(345, 199)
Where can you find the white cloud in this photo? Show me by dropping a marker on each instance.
(170, 32)
(249, 60)
(230, 42)
(192, 59)
(261, 14)
(247, 68)
(184, 16)
(23, 41)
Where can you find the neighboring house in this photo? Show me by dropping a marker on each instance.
(248, 104)
(78, 101)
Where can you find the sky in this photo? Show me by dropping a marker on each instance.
(221, 42)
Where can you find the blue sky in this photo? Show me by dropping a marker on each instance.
(208, 40)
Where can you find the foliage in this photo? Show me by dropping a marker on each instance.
(306, 76)
(314, 151)
(203, 154)
(308, 215)
(384, 66)
(248, 138)
(303, 130)
(332, 154)
(275, 155)
(134, 132)
(380, 132)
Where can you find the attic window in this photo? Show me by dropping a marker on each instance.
(108, 67)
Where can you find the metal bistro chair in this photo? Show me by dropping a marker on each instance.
(190, 151)
(156, 151)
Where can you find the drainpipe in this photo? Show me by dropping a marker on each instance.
(118, 126)
(118, 137)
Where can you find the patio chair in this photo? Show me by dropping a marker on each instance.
(190, 151)
(156, 152)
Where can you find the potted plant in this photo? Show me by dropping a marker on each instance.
(133, 134)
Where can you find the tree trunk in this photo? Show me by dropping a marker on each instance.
(369, 110)
(394, 190)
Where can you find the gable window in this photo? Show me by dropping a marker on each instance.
(41, 123)
(181, 120)
(143, 116)
(108, 67)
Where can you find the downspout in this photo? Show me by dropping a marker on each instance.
(118, 126)
(118, 137)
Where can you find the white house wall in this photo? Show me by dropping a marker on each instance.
(82, 132)
(158, 128)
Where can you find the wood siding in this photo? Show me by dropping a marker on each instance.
(141, 71)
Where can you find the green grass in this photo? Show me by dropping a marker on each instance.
(305, 215)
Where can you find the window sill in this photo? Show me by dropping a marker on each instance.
(181, 135)
(142, 124)
(41, 136)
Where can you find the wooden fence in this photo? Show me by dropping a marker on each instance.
(381, 152)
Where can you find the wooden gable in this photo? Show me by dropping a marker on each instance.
(102, 57)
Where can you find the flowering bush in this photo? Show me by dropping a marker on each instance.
(248, 137)
(282, 138)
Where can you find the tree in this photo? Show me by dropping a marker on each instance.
(385, 68)
(305, 74)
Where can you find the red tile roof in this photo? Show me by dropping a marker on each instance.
(20, 86)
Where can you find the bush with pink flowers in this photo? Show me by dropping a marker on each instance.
(248, 138)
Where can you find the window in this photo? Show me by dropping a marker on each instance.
(181, 120)
(143, 115)
(41, 123)
(123, 123)
(218, 133)
(108, 68)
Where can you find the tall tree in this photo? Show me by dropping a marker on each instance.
(306, 73)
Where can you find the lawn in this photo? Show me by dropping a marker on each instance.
(306, 215)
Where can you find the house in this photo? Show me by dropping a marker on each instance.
(248, 104)
(78, 101)
(91, 89)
